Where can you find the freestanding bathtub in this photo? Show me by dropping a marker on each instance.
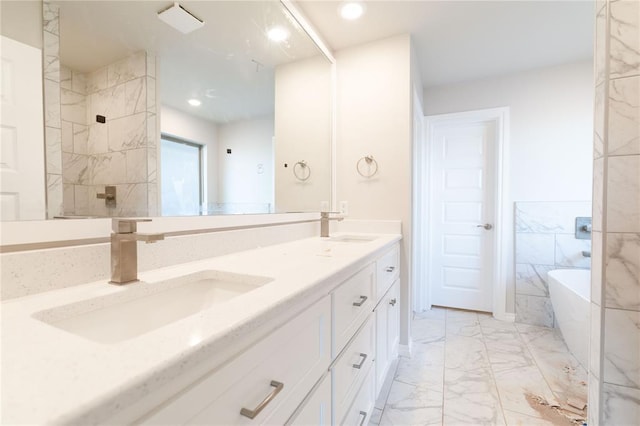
(569, 290)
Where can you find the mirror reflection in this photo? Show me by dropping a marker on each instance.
(203, 107)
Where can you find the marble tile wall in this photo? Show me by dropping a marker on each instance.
(545, 240)
(614, 364)
(52, 118)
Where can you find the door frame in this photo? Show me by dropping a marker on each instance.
(422, 203)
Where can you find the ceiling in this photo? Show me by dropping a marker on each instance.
(459, 41)
(228, 63)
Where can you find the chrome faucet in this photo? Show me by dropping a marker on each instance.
(324, 223)
(124, 249)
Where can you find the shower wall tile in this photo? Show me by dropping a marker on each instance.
(79, 82)
(80, 139)
(67, 136)
(622, 259)
(598, 122)
(151, 65)
(68, 199)
(621, 347)
(549, 217)
(76, 168)
(623, 194)
(152, 165)
(97, 80)
(624, 44)
(52, 103)
(597, 260)
(109, 169)
(620, 405)
(132, 199)
(109, 102)
(569, 251)
(624, 116)
(54, 195)
(593, 407)
(600, 55)
(531, 280)
(81, 198)
(127, 69)
(595, 334)
(598, 194)
(98, 139)
(73, 106)
(53, 150)
(135, 96)
(50, 18)
(536, 249)
(153, 135)
(65, 77)
(51, 56)
(534, 310)
(136, 165)
(151, 94)
(128, 132)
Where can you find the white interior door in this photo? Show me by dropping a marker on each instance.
(22, 181)
(462, 212)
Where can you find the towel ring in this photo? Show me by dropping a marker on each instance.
(299, 170)
(371, 162)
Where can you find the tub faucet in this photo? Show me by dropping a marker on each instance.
(324, 223)
(124, 249)
(586, 253)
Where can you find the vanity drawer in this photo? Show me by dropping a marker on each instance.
(360, 412)
(387, 270)
(353, 300)
(317, 409)
(285, 365)
(350, 369)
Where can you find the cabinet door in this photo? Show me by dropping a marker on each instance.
(393, 318)
(382, 352)
(317, 409)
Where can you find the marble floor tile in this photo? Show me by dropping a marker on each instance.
(427, 330)
(434, 313)
(518, 419)
(425, 368)
(412, 405)
(471, 398)
(517, 385)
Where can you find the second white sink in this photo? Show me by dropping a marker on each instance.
(143, 307)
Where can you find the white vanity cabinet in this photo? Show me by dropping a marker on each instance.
(324, 366)
(276, 374)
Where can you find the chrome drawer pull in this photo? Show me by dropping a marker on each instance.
(364, 417)
(362, 300)
(390, 269)
(393, 301)
(359, 366)
(252, 413)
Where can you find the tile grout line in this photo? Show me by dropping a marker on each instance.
(493, 377)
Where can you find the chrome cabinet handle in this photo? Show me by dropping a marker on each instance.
(364, 417)
(362, 300)
(390, 269)
(486, 226)
(359, 366)
(252, 413)
(393, 301)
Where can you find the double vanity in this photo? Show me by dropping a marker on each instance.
(297, 333)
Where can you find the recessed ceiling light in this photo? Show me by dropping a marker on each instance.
(351, 10)
(194, 102)
(278, 34)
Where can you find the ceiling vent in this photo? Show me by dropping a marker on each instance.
(180, 19)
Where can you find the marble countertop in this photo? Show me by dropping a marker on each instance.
(51, 376)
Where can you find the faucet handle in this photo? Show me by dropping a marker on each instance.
(126, 226)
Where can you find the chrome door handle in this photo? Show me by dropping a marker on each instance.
(486, 226)
(362, 300)
(393, 301)
(252, 413)
(359, 366)
(390, 269)
(364, 417)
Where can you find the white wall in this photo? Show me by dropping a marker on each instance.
(193, 129)
(551, 123)
(303, 132)
(374, 117)
(251, 144)
(22, 21)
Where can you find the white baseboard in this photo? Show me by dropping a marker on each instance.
(506, 316)
(405, 350)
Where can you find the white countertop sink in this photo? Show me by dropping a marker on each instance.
(146, 306)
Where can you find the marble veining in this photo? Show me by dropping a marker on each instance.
(135, 96)
(534, 310)
(136, 167)
(623, 271)
(80, 138)
(67, 136)
(598, 122)
(598, 194)
(597, 260)
(569, 251)
(76, 168)
(621, 347)
(600, 55)
(538, 249)
(549, 217)
(53, 150)
(624, 45)
(98, 139)
(52, 103)
(108, 169)
(127, 69)
(50, 17)
(620, 405)
(51, 56)
(624, 116)
(127, 132)
(532, 279)
(73, 106)
(623, 194)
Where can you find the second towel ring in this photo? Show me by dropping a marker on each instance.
(371, 162)
(299, 170)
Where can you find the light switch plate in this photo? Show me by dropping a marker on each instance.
(344, 208)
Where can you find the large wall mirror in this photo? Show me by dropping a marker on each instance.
(158, 108)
